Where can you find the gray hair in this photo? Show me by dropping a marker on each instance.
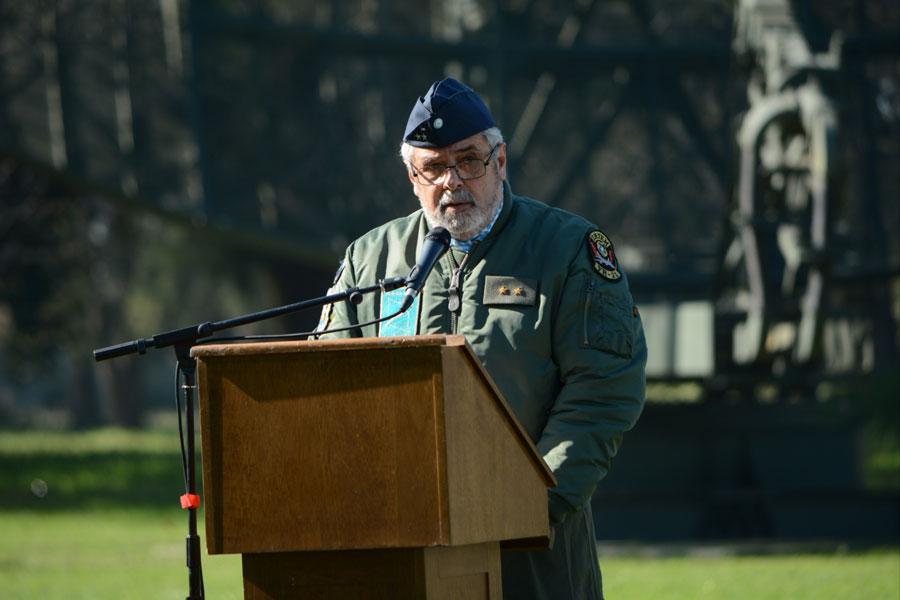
(492, 135)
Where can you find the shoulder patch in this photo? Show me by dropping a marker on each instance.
(603, 256)
(340, 271)
(326, 316)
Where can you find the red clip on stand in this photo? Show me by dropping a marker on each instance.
(188, 366)
(190, 501)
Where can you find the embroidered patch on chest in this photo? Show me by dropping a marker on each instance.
(603, 256)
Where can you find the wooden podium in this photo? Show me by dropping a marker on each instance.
(387, 468)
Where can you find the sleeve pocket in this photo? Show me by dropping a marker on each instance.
(610, 323)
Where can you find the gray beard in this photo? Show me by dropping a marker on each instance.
(463, 227)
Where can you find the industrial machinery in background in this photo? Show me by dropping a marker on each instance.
(788, 184)
(780, 304)
(800, 309)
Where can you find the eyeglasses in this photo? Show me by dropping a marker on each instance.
(467, 168)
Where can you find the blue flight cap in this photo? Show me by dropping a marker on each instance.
(449, 112)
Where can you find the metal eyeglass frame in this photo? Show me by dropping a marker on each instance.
(426, 181)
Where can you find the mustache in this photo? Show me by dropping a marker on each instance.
(456, 196)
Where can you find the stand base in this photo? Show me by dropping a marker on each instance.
(437, 573)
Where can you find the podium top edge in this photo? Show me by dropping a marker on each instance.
(275, 347)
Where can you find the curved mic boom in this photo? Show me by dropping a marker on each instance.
(436, 244)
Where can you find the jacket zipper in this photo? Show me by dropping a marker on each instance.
(454, 301)
(587, 307)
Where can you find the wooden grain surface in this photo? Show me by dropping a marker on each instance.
(396, 442)
(320, 451)
(438, 573)
(496, 489)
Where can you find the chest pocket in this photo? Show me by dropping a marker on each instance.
(509, 290)
(609, 319)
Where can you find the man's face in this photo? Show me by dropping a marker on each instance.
(464, 207)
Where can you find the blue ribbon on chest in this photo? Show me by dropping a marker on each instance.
(401, 325)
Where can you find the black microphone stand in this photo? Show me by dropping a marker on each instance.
(183, 340)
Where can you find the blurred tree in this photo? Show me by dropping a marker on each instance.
(78, 273)
(45, 252)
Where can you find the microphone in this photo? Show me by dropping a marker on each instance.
(436, 244)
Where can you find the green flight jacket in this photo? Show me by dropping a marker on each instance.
(562, 340)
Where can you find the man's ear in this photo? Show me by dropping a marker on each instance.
(413, 181)
(501, 161)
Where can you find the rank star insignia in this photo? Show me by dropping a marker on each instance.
(421, 133)
(603, 256)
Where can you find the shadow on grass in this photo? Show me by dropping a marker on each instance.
(65, 481)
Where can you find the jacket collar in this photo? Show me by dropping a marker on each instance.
(505, 213)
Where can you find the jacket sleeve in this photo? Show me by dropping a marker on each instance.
(598, 343)
(340, 314)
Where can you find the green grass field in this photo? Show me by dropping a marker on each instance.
(871, 575)
(95, 516)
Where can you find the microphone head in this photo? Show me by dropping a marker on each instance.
(439, 234)
(435, 245)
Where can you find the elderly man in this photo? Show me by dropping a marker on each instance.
(538, 294)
